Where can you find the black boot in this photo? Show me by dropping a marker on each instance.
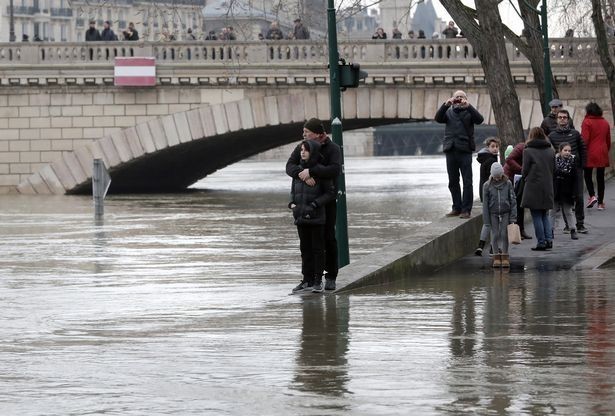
(479, 249)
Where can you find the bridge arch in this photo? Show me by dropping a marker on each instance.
(171, 152)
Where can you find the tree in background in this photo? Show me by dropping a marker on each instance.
(603, 48)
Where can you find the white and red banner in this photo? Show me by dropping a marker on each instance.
(135, 72)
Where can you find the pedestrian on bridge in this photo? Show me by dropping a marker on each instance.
(328, 168)
(458, 144)
(596, 134)
(92, 34)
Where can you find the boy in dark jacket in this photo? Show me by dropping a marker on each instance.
(308, 205)
(486, 156)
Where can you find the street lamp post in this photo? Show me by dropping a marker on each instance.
(546, 57)
(11, 23)
(341, 228)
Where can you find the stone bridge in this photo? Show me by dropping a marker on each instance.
(215, 104)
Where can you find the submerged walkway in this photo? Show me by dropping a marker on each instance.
(452, 239)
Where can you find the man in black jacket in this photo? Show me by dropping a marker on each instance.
(565, 134)
(460, 117)
(550, 123)
(328, 168)
(92, 34)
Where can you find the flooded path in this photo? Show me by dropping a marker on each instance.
(179, 304)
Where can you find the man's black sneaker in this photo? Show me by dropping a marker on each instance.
(478, 251)
(581, 229)
(549, 245)
(566, 230)
(329, 284)
(318, 288)
(302, 287)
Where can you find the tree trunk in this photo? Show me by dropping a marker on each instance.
(487, 38)
(603, 49)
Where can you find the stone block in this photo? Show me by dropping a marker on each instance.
(39, 145)
(75, 168)
(30, 157)
(183, 129)
(61, 122)
(168, 96)
(9, 157)
(349, 104)
(83, 98)
(4, 146)
(229, 95)
(61, 99)
(6, 112)
(376, 108)
(536, 117)
(19, 123)
(93, 133)
(124, 98)
(110, 152)
(143, 119)
(125, 121)
(19, 146)
(19, 168)
(170, 130)
(62, 145)
(220, 120)
(207, 121)
(25, 188)
(297, 112)
(29, 112)
(41, 99)
(323, 104)
(431, 104)
(54, 111)
(106, 121)
(92, 110)
(443, 96)
(193, 119)
(9, 134)
(104, 98)
(157, 109)
(232, 116)
(147, 97)
(122, 146)
(50, 156)
(390, 103)
(72, 111)
(132, 138)
(136, 110)
(211, 96)
(113, 110)
(259, 115)
(98, 153)
(83, 122)
(145, 138)
(404, 103)
(52, 133)
(363, 104)
(72, 133)
(177, 108)
(108, 131)
(86, 159)
(40, 123)
(157, 132)
(39, 185)
(18, 100)
(51, 180)
(417, 104)
(483, 105)
(271, 111)
(190, 96)
(245, 114)
(284, 109)
(4, 123)
(63, 173)
(310, 106)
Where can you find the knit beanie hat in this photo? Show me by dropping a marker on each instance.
(496, 170)
(508, 151)
(315, 126)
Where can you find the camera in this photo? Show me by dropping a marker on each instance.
(457, 101)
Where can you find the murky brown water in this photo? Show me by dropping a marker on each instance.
(179, 304)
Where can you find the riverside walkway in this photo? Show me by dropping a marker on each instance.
(451, 243)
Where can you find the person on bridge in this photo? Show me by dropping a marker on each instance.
(451, 31)
(300, 32)
(379, 34)
(562, 134)
(486, 156)
(458, 144)
(537, 172)
(108, 35)
(308, 202)
(596, 134)
(549, 123)
(328, 168)
(274, 32)
(92, 34)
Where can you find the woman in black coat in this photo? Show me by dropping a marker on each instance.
(538, 167)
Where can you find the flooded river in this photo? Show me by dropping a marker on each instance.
(179, 304)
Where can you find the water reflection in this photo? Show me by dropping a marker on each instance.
(321, 359)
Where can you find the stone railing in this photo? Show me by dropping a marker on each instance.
(282, 53)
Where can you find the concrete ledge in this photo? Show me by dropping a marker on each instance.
(598, 258)
(431, 247)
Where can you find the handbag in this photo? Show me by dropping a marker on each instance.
(514, 234)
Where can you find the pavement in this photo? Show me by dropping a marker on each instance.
(589, 251)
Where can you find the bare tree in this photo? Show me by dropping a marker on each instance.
(603, 48)
(484, 30)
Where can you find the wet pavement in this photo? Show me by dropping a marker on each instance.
(179, 304)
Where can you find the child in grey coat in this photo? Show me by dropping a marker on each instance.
(499, 210)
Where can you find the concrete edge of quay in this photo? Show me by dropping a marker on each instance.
(428, 249)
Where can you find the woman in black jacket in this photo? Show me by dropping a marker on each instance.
(538, 168)
(308, 205)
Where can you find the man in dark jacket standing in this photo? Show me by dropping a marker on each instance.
(550, 123)
(300, 32)
(107, 34)
(92, 34)
(328, 168)
(460, 117)
(564, 133)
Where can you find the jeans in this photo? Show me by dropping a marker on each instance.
(542, 225)
(499, 233)
(456, 163)
(566, 210)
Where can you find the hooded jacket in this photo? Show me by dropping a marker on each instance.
(328, 167)
(514, 161)
(459, 130)
(499, 198)
(486, 159)
(310, 201)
